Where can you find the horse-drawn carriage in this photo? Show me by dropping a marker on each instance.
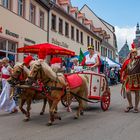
(93, 85)
(98, 90)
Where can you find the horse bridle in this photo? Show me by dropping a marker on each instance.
(14, 78)
(33, 78)
(49, 88)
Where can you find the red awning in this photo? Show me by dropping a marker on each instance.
(45, 49)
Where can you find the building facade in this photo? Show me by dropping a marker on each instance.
(28, 22)
(108, 47)
(123, 53)
(22, 22)
(69, 28)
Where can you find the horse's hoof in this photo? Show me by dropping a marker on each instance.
(75, 117)
(52, 119)
(49, 124)
(26, 120)
(41, 113)
(59, 118)
(82, 113)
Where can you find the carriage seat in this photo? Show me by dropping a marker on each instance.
(74, 80)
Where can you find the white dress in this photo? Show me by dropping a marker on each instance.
(6, 103)
(91, 61)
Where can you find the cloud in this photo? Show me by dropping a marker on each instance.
(123, 34)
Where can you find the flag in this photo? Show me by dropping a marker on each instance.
(81, 57)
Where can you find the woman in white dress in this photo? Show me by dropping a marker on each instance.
(92, 60)
(7, 103)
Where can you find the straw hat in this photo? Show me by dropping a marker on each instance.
(91, 47)
(5, 60)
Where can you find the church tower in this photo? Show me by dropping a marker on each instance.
(137, 39)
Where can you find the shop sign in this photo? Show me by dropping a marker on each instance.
(0, 29)
(11, 33)
(56, 42)
(29, 40)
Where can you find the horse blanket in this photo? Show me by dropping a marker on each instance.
(73, 80)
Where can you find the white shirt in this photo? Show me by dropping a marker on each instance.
(91, 60)
(6, 70)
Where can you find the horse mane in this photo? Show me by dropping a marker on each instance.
(49, 72)
(46, 68)
(25, 69)
(17, 64)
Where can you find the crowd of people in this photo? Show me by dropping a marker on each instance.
(113, 75)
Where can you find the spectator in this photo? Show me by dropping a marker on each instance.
(0, 75)
(7, 102)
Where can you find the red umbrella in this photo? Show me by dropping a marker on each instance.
(45, 49)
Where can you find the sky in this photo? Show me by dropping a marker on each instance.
(122, 14)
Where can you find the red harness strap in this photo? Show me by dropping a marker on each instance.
(89, 65)
(4, 76)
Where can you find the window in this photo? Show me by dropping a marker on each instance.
(11, 46)
(7, 4)
(21, 8)
(32, 13)
(88, 40)
(53, 22)
(92, 42)
(96, 47)
(82, 37)
(60, 26)
(105, 51)
(2, 44)
(41, 23)
(66, 29)
(77, 35)
(72, 32)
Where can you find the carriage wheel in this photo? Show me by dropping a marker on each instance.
(64, 101)
(105, 100)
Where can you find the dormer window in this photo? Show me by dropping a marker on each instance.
(76, 15)
(68, 9)
(83, 21)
